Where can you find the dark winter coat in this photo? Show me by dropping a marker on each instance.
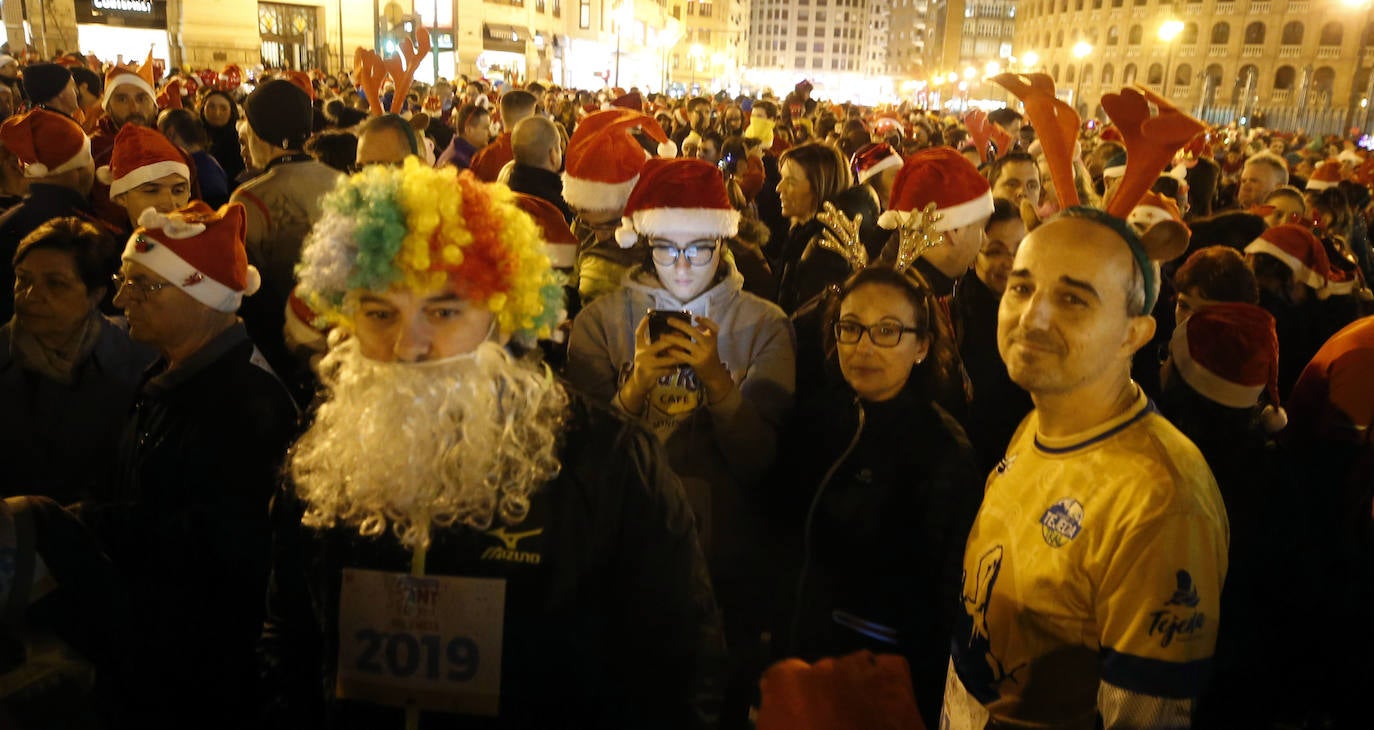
(805, 268)
(43, 203)
(998, 405)
(877, 505)
(186, 522)
(609, 619)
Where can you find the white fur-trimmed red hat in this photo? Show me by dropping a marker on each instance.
(46, 143)
(559, 242)
(1327, 175)
(603, 160)
(678, 197)
(1298, 249)
(122, 75)
(141, 155)
(942, 176)
(199, 250)
(1152, 209)
(1229, 353)
(872, 159)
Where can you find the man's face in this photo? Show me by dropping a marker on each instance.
(964, 244)
(734, 120)
(382, 147)
(163, 319)
(164, 194)
(1278, 147)
(1018, 181)
(65, 101)
(400, 325)
(1286, 208)
(708, 151)
(993, 264)
(690, 148)
(478, 130)
(130, 104)
(1257, 180)
(1062, 325)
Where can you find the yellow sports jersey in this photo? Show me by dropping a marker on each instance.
(1092, 580)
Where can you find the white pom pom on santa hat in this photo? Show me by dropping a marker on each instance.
(944, 177)
(625, 234)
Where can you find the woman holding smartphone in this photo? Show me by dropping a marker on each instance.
(714, 383)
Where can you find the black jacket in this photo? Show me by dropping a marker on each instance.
(187, 525)
(998, 405)
(805, 269)
(541, 184)
(609, 619)
(878, 504)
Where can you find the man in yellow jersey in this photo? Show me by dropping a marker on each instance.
(1093, 573)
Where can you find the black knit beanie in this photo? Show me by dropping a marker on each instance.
(45, 80)
(280, 114)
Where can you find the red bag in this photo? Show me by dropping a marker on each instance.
(861, 691)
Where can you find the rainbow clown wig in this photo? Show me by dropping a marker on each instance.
(426, 229)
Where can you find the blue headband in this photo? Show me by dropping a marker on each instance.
(1132, 239)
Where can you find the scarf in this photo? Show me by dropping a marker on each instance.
(58, 364)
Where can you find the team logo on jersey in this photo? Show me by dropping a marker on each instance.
(508, 551)
(1061, 522)
(1179, 624)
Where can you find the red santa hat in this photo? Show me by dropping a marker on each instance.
(140, 155)
(1152, 209)
(1229, 354)
(632, 101)
(230, 77)
(1327, 175)
(302, 80)
(1298, 249)
(678, 197)
(942, 176)
(559, 242)
(124, 76)
(199, 250)
(872, 159)
(46, 143)
(604, 159)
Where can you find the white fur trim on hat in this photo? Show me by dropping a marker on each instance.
(1300, 270)
(1315, 184)
(163, 261)
(561, 255)
(596, 196)
(704, 222)
(955, 216)
(80, 159)
(1206, 382)
(146, 174)
(1114, 171)
(126, 79)
(176, 228)
(1148, 215)
(887, 163)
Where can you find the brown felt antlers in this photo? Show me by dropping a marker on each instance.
(1056, 124)
(1151, 137)
(371, 71)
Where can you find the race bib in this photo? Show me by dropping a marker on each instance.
(432, 642)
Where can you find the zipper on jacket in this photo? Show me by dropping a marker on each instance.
(811, 518)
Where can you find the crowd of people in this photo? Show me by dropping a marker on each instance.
(353, 402)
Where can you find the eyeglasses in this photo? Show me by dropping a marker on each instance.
(120, 281)
(698, 252)
(883, 334)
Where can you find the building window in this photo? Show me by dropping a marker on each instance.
(799, 62)
(557, 8)
(691, 8)
(584, 14)
(705, 10)
(539, 6)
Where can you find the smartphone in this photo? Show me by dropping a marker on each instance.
(658, 322)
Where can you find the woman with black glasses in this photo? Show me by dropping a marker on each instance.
(878, 489)
(706, 366)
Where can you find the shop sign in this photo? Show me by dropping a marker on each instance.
(135, 13)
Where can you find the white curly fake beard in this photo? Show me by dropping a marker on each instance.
(412, 447)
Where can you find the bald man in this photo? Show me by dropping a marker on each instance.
(537, 144)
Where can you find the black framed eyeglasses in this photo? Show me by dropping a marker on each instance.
(698, 252)
(121, 281)
(882, 334)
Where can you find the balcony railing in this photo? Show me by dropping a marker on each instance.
(1298, 6)
(1217, 52)
(1187, 52)
(1280, 96)
(1259, 7)
(1329, 52)
(1290, 51)
(1192, 10)
(1252, 50)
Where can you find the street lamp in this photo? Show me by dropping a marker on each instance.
(694, 54)
(1168, 31)
(622, 16)
(1081, 50)
(1030, 60)
(1369, 92)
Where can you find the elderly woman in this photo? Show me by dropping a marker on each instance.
(67, 374)
(812, 175)
(879, 490)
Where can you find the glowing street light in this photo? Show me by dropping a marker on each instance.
(694, 54)
(953, 77)
(1030, 60)
(992, 68)
(1168, 31)
(623, 16)
(969, 73)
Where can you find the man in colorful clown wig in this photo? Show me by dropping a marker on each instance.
(527, 555)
